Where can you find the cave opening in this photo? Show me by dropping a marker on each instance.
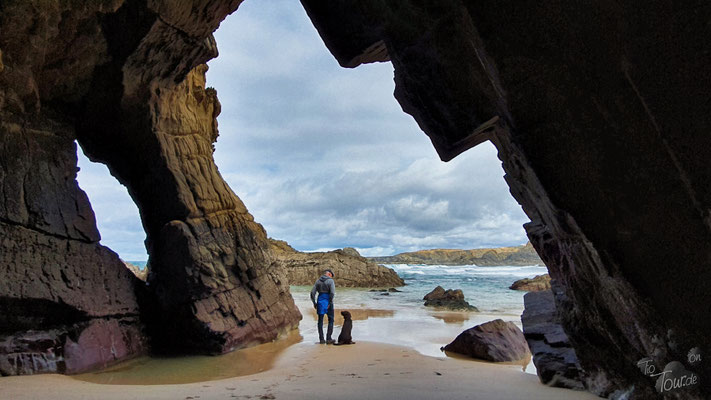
(324, 157)
(117, 216)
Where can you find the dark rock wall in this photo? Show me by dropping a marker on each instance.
(58, 285)
(554, 358)
(600, 114)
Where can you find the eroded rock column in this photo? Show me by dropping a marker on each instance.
(213, 283)
(126, 79)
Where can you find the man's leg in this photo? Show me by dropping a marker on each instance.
(320, 328)
(330, 324)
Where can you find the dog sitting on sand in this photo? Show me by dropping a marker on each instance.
(345, 336)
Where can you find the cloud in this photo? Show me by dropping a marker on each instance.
(116, 215)
(324, 157)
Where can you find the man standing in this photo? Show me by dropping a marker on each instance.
(326, 288)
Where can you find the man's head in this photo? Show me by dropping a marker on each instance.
(328, 273)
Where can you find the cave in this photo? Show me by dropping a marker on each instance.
(599, 113)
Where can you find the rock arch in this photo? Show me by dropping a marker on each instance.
(600, 114)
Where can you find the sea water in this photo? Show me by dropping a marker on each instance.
(401, 317)
(398, 318)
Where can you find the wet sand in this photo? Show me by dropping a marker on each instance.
(190, 369)
(396, 356)
(307, 371)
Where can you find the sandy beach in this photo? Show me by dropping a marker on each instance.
(365, 370)
(295, 367)
(396, 356)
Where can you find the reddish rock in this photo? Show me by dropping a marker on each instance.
(496, 341)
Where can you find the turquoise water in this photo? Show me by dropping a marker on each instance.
(487, 288)
(140, 264)
(398, 318)
(401, 317)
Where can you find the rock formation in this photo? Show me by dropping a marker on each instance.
(350, 269)
(535, 284)
(521, 255)
(600, 114)
(555, 359)
(141, 274)
(452, 299)
(126, 80)
(496, 341)
(599, 111)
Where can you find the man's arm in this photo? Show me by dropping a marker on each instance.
(313, 294)
(332, 290)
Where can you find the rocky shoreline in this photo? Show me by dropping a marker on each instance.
(519, 255)
(349, 267)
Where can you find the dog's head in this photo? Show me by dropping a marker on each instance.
(346, 315)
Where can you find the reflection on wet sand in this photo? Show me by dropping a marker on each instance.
(188, 369)
(524, 362)
(452, 317)
(357, 314)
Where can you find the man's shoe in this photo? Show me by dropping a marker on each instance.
(322, 341)
(330, 341)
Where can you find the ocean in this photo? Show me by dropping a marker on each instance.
(401, 317)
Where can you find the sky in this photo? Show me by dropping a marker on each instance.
(323, 156)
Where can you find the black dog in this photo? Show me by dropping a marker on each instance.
(345, 336)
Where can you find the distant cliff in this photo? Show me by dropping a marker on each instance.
(520, 255)
(349, 267)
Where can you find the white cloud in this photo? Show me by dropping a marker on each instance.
(324, 157)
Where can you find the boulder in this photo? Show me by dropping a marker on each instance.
(496, 341)
(535, 284)
(553, 355)
(452, 299)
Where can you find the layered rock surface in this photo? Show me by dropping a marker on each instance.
(535, 284)
(349, 267)
(496, 341)
(125, 79)
(600, 115)
(555, 359)
(521, 255)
